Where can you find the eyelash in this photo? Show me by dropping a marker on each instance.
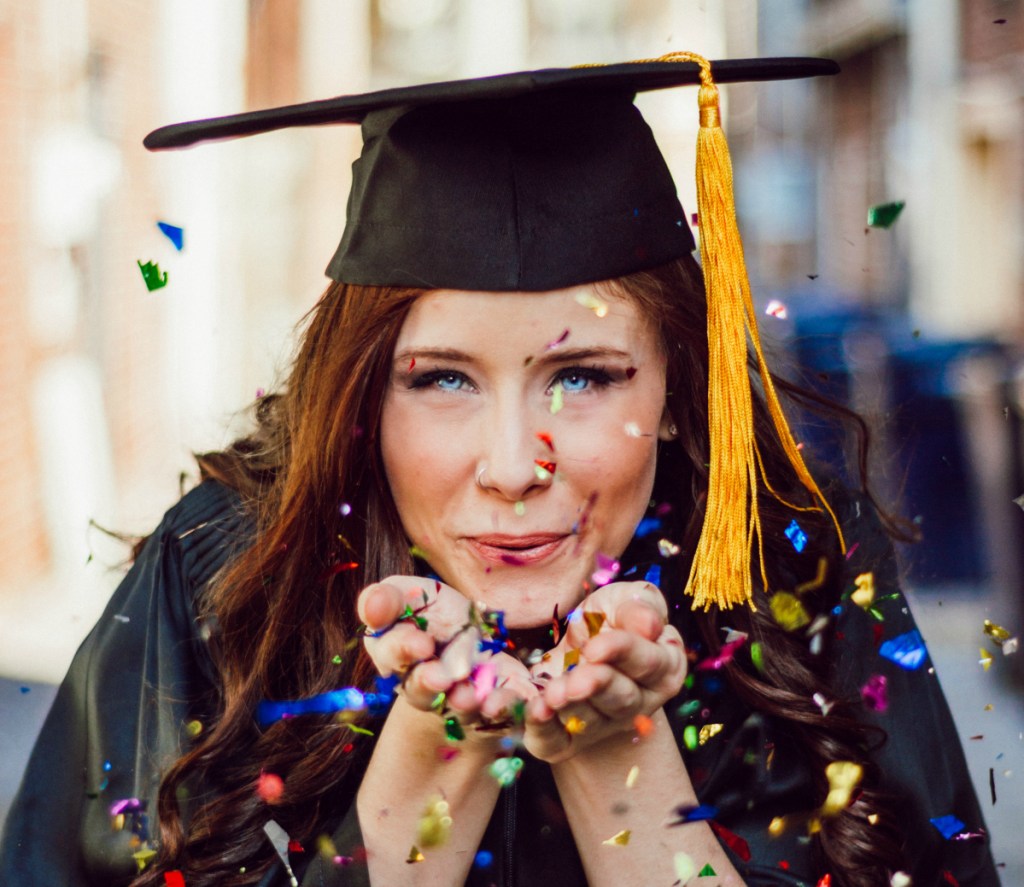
(597, 376)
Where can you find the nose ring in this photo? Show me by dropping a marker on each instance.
(480, 476)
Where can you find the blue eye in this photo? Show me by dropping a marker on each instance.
(444, 380)
(576, 379)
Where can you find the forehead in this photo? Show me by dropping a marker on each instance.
(591, 314)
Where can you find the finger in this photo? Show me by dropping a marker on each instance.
(399, 649)
(648, 663)
(424, 683)
(640, 617)
(379, 605)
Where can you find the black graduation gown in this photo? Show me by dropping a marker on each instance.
(144, 673)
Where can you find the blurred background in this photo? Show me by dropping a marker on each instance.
(108, 387)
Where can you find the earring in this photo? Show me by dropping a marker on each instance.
(673, 432)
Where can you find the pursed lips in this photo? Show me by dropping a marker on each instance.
(516, 550)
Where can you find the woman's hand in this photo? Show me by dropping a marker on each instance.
(442, 656)
(632, 665)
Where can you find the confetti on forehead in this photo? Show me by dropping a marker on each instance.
(556, 342)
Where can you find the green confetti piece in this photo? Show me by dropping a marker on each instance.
(756, 655)
(884, 215)
(337, 659)
(438, 702)
(520, 508)
(506, 770)
(690, 736)
(689, 682)
(689, 707)
(356, 729)
(707, 871)
(453, 729)
(556, 398)
(874, 611)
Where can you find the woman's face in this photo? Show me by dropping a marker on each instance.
(490, 392)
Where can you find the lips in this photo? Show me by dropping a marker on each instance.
(517, 550)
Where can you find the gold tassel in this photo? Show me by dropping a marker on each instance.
(721, 573)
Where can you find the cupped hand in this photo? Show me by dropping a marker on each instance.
(634, 663)
(440, 655)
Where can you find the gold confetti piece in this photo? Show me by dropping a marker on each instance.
(556, 399)
(996, 632)
(589, 300)
(986, 658)
(194, 728)
(594, 622)
(571, 658)
(864, 596)
(415, 855)
(575, 726)
(777, 826)
(667, 548)
(325, 847)
(989, 707)
(631, 777)
(685, 867)
(435, 824)
(818, 580)
(788, 611)
(621, 839)
(843, 777)
(144, 857)
(813, 825)
(873, 818)
(709, 730)
(117, 823)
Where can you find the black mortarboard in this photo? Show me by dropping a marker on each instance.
(530, 181)
(549, 179)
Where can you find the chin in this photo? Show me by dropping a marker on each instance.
(529, 602)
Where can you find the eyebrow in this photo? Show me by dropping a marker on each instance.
(552, 356)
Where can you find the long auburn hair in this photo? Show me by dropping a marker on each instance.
(285, 608)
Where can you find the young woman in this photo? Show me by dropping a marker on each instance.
(495, 474)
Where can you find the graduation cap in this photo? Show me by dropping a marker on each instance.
(547, 179)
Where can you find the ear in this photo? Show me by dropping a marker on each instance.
(666, 427)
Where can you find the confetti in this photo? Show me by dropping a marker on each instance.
(270, 787)
(194, 728)
(684, 866)
(667, 548)
(843, 777)
(756, 656)
(906, 650)
(415, 855)
(453, 729)
(347, 699)
(733, 841)
(632, 430)
(506, 770)
(594, 621)
(777, 826)
(545, 438)
(788, 611)
(724, 655)
(693, 813)
(570, 659)
(796, 535)
(435, 824)
(690, 736)
(824, 704)
(174, 234)
(1010, 646)
(948, 825)
(707, 871)
(864, 596)
(875, 693)
(708, 731)
(144, 857)
(621, 839)
(992, 784)
(519, 508)
(574, 725)
(607, 569)
(344, 509)
(174, 878)
(152, 276)
(643, 725)
(817, 581)
(589, 300)
(986, 658)
(483, 859)
(996, 632)
(556, 342)
(632, 776)
(900, 879)
(775, 308)
(546, 466)
(884, 215)
(557, 399)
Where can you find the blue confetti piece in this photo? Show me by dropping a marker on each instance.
(347, 699)
(907, 650)
(483, 859)
(947, 825)
(174, 234)
(647, 526)
(698, 813)
(653, 575)
(797, 536)
(25, 690)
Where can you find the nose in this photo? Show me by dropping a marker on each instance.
(511, 457)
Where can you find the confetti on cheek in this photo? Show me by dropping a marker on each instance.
(788, 611)
(707, 871)
(414, 855)
(684, 866)
(557, 396)
(906, 650)
(412, 363)
(621, 839)
(632, 430)
(864, 596)
(775, 308)
(589, 300)
(607, 569)
(796, 535)
(948, 825)
(270, 787)
(435, 824)
(546, 439)
(843, 777)
(875, 693)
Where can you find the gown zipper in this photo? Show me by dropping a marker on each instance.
(510, 836)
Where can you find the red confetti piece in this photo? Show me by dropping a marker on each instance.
(295, 847)
(630, 372)
(644, 726)
(557, 342)
(826, 881)
(270, 787)
(733, 841)
(878, 629)
(784, 865)
(412, 363)
(851, 550)
(341, 567)
(947, 876)
(549, 467)
(546, 439)
(174, 879)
